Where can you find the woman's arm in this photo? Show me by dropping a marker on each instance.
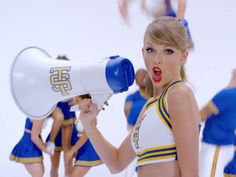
(123, 8)
(69, 154)
(35, 134)
(116, 159)
(205, 112)
(127, 108)
(181, 9)
(80, 142)
(185, 116)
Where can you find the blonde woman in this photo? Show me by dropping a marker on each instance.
(165, 137)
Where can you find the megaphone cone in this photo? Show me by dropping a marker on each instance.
(38, 82)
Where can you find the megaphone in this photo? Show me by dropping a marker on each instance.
(38, 81)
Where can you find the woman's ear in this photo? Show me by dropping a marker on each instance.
(184, 58)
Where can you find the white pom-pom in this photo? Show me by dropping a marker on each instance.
(79, 126)
(50, 146)
(78, 123)
(45, 123)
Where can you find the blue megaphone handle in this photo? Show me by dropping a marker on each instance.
(119, 73)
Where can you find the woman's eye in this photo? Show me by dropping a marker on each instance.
(168, 51)
(149, 49)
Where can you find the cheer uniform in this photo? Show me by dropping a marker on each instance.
(25, 150)
(218, 134)
(155, 121)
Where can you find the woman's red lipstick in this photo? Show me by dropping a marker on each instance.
(156, 74)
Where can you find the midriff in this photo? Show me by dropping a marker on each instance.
(163, 169)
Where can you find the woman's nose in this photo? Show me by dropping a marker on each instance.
(157, 60)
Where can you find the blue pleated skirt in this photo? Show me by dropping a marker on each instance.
(25, 151)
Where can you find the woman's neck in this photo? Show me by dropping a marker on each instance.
(157, 91)
(232, 83)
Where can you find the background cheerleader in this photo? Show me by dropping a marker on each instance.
(217, 147)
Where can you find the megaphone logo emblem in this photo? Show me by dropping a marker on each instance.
(60, 79)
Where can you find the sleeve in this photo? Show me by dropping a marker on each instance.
(220, 102)
(129, 98)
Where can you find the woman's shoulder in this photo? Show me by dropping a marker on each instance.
(180, 91)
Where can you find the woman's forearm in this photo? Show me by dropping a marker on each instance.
(107, 152)
(181, 9)
(38, 142)
(116, 159)
(35, 134)
(80, 142)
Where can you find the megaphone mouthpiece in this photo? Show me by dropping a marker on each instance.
(119, 74)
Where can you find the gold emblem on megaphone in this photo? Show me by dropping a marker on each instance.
(60, 79)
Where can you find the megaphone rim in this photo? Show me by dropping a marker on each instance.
(11, 84)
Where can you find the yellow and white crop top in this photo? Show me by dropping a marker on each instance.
(152, 138)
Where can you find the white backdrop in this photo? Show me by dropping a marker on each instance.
(92, 29)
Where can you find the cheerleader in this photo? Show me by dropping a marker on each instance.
(165, 136)
(28, 150)
(218, 134)
(60, 137)
(82, 149)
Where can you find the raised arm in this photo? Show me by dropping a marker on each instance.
(116, 159)
(181, 9)
(123, 8)
(185, 116)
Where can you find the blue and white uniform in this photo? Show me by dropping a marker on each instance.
(69, 119)
(25, 150)
(86, 155)
(155, 121)
(217, 147)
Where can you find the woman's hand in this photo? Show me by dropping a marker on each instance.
(88, 112)
(69, 155)
(48, 152)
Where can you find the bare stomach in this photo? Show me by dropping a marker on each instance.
(163, 169)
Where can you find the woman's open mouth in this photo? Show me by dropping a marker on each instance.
(156, 74)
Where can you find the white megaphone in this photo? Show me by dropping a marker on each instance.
(38, 82)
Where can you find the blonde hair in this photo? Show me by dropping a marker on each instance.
(170, 31)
